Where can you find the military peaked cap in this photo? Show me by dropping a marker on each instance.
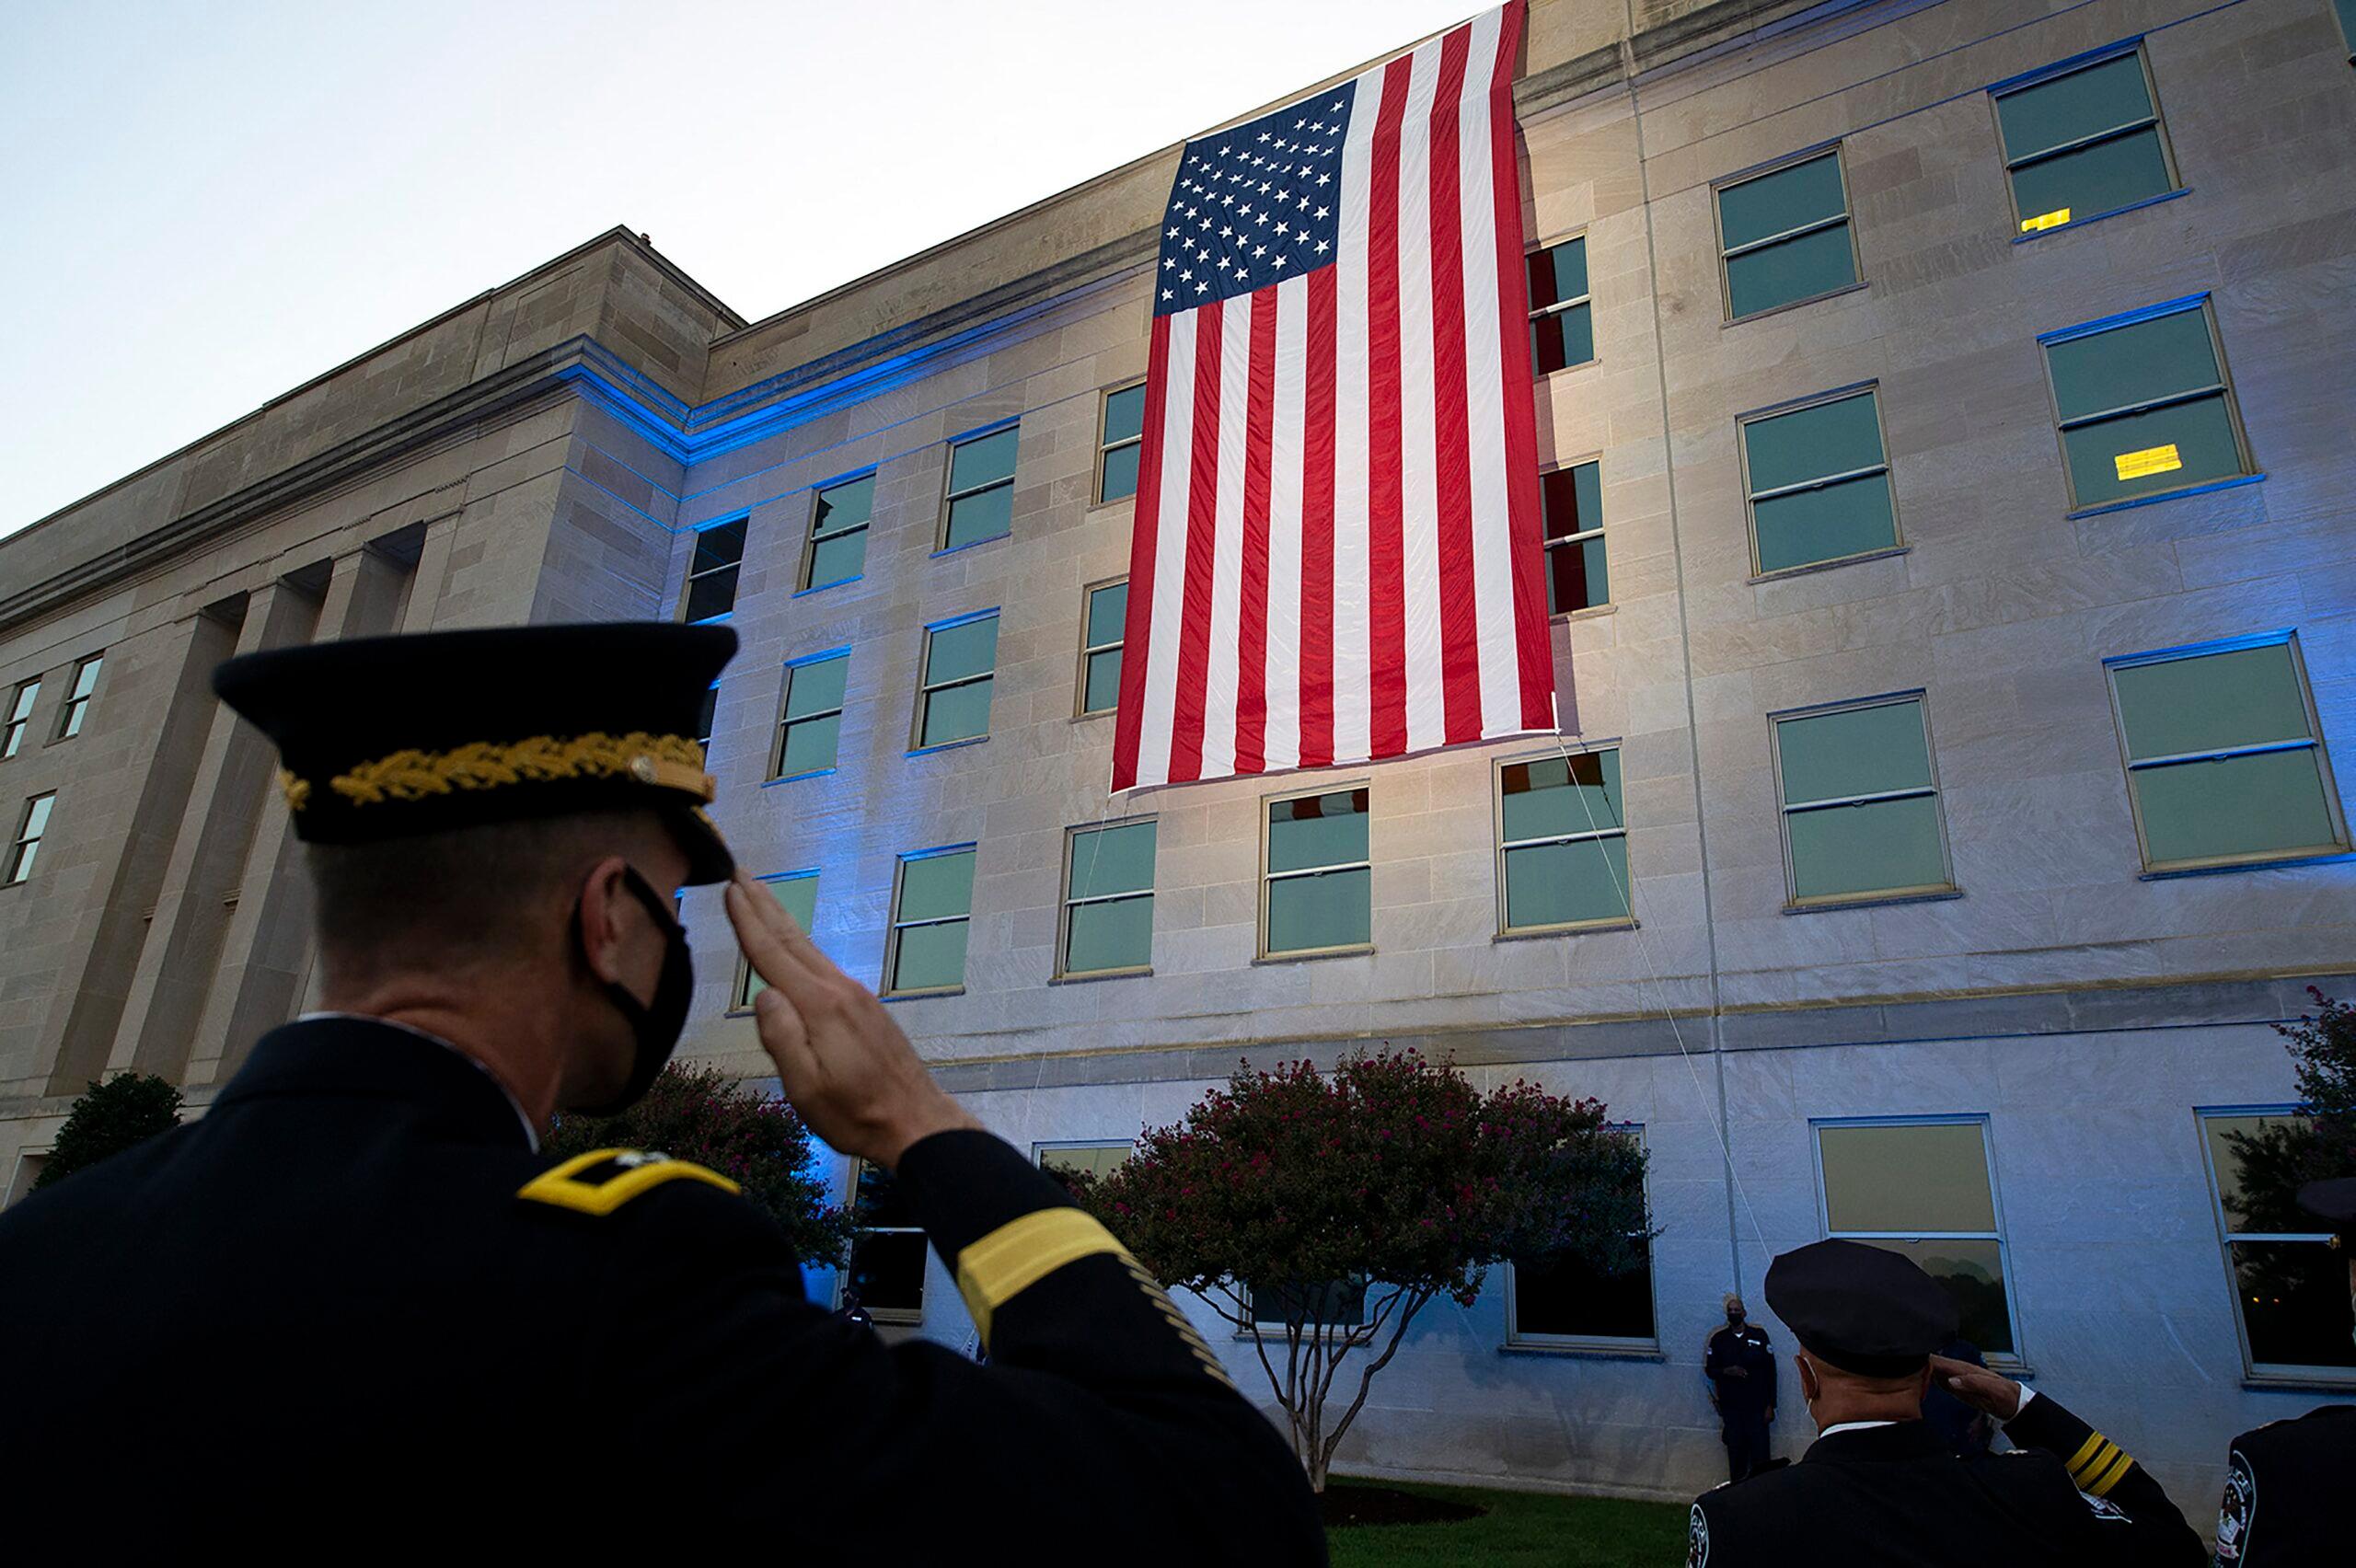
(388, 737)
(1862, 1308)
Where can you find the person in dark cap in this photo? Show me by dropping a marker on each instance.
(2286, 1482)
(1879, 1486)
(353, 1309)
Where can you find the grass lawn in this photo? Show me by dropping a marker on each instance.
(1522, 1527)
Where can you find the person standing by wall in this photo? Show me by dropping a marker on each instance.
(1740, 1365)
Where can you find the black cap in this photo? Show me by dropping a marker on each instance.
(388, 737)
(2334, 1201)
(1861, 1309)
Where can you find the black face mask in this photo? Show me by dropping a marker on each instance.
(656, 1027)
(1735, 1320)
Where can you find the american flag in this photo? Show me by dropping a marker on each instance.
(1336, 554)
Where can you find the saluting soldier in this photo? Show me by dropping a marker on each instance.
(352, 1308)
(1879, 1486)
(1740, 1362)
(2286, 1483)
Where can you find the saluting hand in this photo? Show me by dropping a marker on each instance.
(845, 1065)
(1991, 1392)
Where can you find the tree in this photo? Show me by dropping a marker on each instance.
(2283, 1156)
(110, 1117)
(703, 1115)
(1323, 1212)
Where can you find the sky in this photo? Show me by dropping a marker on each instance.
(208, 203)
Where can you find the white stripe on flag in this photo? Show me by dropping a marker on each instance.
(1419, 434)
(1492, 535)
(1285, 458)
(1353, 666)
(1169, 556)
(1227, 539)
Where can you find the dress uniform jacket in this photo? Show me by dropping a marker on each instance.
(1740, 1362)
(1897, 1493)
(2286, 1486)
(351, 1309)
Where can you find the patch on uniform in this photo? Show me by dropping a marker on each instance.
(2104, 1509)
(2235, 1511)
(1697, 1540)
(605, 1179)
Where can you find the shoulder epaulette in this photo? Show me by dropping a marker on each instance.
(605, 1179)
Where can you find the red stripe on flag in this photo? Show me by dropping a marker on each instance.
(1202, 514)
(1460, 632)
(1317, 526)
(1386, 506)
(1252, 619)
(1137, 626)
(1533, 656)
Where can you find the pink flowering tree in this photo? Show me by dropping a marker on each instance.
(1320, 1213)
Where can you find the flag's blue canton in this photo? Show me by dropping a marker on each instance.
(1254, 205)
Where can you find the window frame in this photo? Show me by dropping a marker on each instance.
(897, 1316)
(24, 848)
(1268, 878)
(811, 541)
(24, 700)
(2157, 122)
(1594, 1344)
(1548, 547)
(894, 925)
(2253, 1369)
(1079, 686)
(740, 1005)
(1751, 497)
(785, 696)
(688, 586)
(1096, 472)
(1064, 902)
(1848, 216)
(925, 687)
(2015, 1359)
(1498, 845)
(1042, 1148)
(2129, 767)
(2205, 303)
(1561, 305)
(29, 1164)
(950, 496)
(2344, 14)
(73, 712)
(1792, 903)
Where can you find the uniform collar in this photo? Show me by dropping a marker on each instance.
(345, 1055)
(1875, 1440)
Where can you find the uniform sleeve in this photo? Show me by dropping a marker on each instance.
(1710, 1359)
(1102, 1426)
(2153, 1527)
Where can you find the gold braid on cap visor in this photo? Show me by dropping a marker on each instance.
(666, 761)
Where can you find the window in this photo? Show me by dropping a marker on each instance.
(20, 712)
(1316, 893)
(811, 721)
(2224, 763)
(1562, 1300)
(1072, 1163)
(1339, 1301)
(77, 696)
(1562, 326)
(797, 893)
(29, 829)
(954, 701)
(1818, 483)
(1562, 843)
(887, 1247)
(838, 518)
(1119, 442)
(1103, 625)
(704, 717)
(711, 573)
(29, 1165)
(931, 905)
(2082, 143)
(981, 489)
(1861, 803)
(1572, 499)
(2347, 9)
(2144, 405)
(2289, 1282)
(1785, 235)
(1108, 900)
(1921, 1189)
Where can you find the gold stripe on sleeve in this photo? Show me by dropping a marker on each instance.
(1021, 1253)
(2112, 1474)
(2085, 1454)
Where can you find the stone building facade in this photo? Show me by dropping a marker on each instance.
(2018, 1060)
